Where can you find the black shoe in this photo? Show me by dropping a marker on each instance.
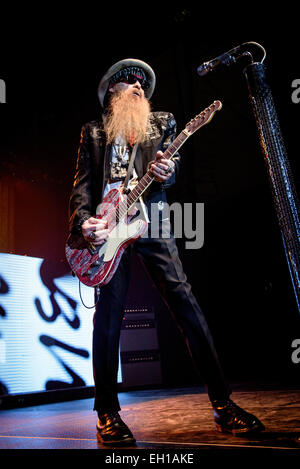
(113, 431)
(230, 418)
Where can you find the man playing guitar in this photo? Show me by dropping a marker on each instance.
(103, 158)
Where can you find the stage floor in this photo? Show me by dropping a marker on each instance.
(160, 419)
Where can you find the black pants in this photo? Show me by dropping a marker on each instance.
(160, 256)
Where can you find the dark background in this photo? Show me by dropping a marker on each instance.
(52, 66)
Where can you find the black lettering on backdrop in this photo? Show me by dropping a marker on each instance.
(4, 289)
(49, 272)
(51, 342)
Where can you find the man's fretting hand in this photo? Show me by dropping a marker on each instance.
(162, 168)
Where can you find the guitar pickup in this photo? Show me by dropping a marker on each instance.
(91, 248)
(96, 263)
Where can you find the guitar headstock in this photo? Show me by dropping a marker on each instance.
(203, 118)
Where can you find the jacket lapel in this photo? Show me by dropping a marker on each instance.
(138, 162)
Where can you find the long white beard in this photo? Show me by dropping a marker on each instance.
(128, 118)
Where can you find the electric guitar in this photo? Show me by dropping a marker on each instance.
(95, 265)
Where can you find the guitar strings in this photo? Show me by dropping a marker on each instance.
(133, 196)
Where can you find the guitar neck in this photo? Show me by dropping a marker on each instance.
(203, 118)
(147, 179)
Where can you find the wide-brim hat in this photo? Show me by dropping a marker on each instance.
(122, 64)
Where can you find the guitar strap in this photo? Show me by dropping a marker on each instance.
(129, 170)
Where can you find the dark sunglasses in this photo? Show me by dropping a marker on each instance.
(130, 79)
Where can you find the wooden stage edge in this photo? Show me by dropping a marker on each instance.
(160, 419)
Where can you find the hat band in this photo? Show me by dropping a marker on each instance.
(126, 72)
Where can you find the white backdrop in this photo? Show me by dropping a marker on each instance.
(45, 336)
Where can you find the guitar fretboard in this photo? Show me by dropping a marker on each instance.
(147, 179)
(203, 118)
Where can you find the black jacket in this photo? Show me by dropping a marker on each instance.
(92, 168)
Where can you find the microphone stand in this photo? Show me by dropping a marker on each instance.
(278, 167)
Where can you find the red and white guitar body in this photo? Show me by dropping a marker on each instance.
(95, 265)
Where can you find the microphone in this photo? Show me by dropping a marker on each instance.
(227, 58)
